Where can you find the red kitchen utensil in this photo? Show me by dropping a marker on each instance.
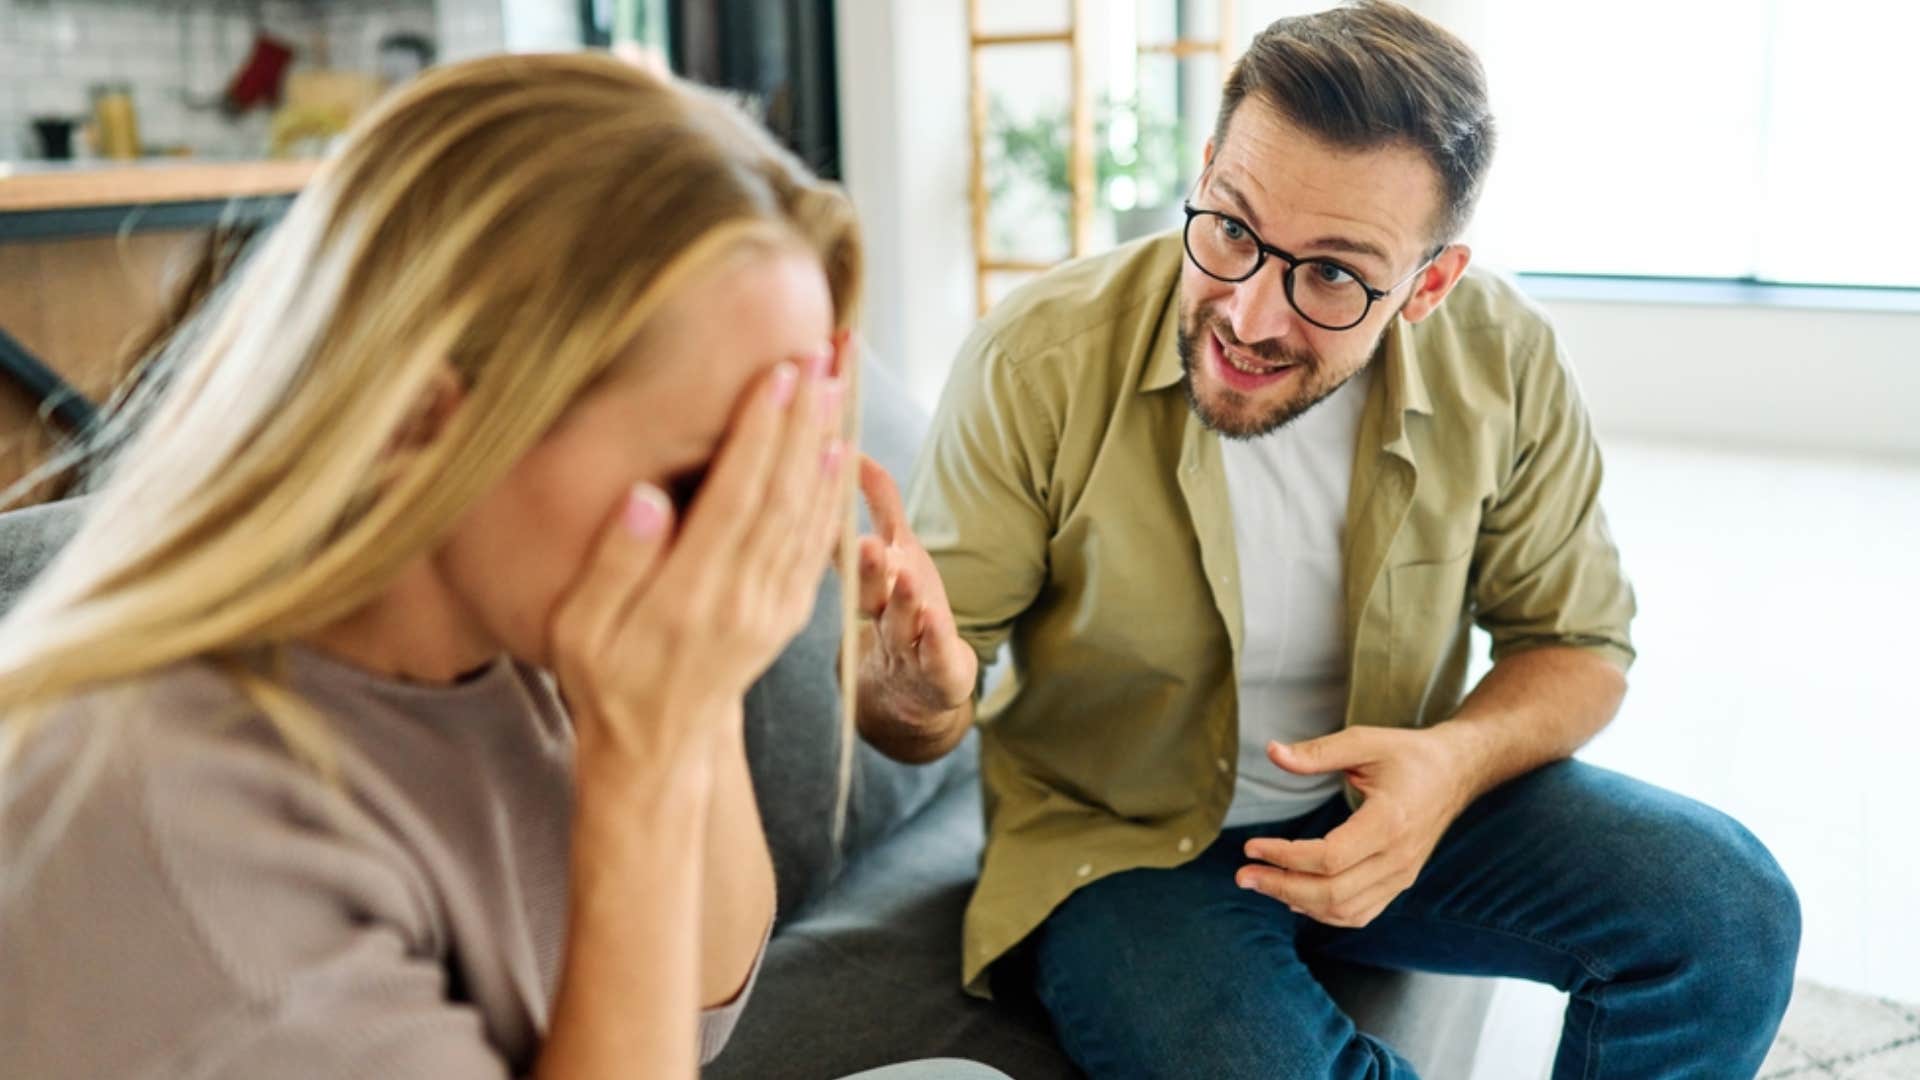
(259, 79)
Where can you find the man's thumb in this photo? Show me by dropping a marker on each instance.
(1330, 753)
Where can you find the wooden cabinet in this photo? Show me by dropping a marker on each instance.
(77, 304)
(88, 261)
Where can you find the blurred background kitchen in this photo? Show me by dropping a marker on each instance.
(238, 80)
(209, 79)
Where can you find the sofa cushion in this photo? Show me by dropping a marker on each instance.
(870, 973)
(29, 539)
(793, 726)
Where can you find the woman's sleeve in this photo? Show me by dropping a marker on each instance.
(717, 1023)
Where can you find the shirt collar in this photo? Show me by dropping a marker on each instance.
(1162, 368)
(1400, 364)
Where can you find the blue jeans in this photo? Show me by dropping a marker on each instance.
(1669, 925)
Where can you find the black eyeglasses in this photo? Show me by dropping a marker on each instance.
(1331, 296)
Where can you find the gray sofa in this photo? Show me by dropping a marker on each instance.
(864, 965)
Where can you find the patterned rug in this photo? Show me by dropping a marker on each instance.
(1831, 1034)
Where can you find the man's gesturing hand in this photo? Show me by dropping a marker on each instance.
(914, 665)
(1413, 793)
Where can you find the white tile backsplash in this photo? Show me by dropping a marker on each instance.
(179, 53)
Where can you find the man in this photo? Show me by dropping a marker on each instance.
(1235, 496)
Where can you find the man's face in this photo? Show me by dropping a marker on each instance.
(1252, 363)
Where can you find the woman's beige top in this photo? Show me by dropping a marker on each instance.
(209, 907)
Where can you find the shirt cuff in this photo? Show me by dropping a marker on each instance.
(717, 1023)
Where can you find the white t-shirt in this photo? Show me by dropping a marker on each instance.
(1289, 496)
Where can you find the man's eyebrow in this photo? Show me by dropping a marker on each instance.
(1349, 246)
(1239, 201)
(1343, 244)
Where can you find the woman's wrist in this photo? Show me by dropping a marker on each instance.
(681, 742)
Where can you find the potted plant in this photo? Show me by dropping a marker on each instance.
(1137, 159)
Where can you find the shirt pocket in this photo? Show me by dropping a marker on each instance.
(1426, 660)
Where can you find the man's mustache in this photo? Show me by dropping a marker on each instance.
(1272, 350)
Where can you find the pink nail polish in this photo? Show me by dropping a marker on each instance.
(645, 515)
(786, 378)
(820, 364)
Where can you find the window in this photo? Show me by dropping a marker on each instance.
(1764, 139)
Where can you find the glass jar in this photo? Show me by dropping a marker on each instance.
(114, 122)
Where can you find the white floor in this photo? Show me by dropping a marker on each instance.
(1779, 680)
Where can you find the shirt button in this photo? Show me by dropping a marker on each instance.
(1086, 870)
(1220, 763)
(1186, 844)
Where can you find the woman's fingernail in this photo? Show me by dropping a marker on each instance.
(835, 453)
(785, 379)
(820, 364)
(646, 513)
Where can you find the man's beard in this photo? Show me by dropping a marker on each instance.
(1235, 423)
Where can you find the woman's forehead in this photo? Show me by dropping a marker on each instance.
(726, 327)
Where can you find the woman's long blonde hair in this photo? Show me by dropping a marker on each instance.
(519, 218)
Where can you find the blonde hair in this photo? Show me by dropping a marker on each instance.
(518, 218)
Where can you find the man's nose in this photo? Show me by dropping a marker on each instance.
(1258, 309)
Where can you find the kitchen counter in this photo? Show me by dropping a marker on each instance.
(55, 200)
(60, 186)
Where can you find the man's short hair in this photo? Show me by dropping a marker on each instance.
(1372, 74)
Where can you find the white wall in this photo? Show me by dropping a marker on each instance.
(1744, 375)
(541, 25)
(903, 131)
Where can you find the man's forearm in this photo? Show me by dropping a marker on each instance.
(894, 723)
(1533, 708)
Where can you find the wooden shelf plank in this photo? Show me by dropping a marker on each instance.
(1181, 48)
(1055, 37)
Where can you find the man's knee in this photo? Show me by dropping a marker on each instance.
(1740, 915)
(1763, 909)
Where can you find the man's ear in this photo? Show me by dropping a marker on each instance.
(439, 401)
(1436, 281)
(1206, 153)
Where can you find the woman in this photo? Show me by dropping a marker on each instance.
(384, 717)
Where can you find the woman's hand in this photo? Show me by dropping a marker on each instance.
(670, 622)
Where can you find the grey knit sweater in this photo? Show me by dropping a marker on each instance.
(209, 907)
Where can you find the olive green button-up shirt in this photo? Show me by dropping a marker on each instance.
(1077, 512)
